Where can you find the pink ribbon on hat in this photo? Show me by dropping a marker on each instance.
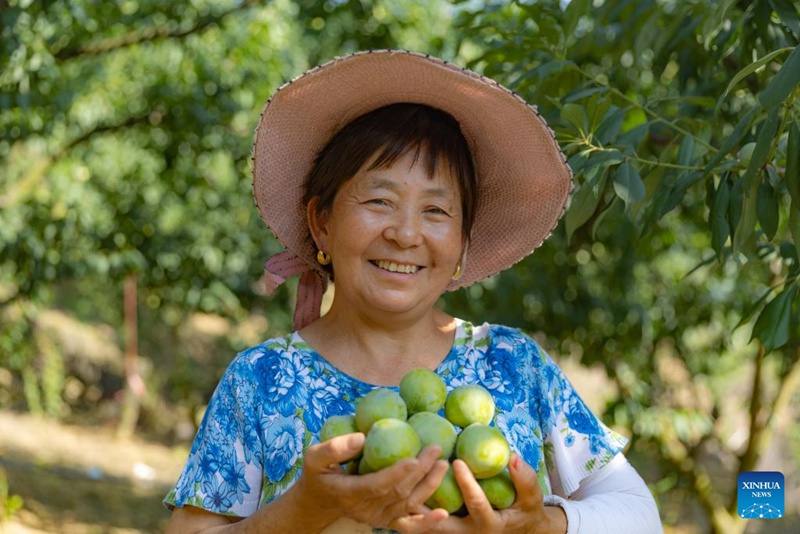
(309, 291)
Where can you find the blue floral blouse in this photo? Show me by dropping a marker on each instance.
(271, 403)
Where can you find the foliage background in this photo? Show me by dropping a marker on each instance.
(126, 130)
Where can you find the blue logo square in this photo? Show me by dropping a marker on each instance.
(761, 495)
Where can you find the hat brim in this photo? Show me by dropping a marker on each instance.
(523, 179)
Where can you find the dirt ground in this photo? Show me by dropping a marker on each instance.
(76, 480)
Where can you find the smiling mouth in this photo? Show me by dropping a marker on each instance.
(396, 267)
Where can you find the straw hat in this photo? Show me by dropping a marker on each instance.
(523, 178)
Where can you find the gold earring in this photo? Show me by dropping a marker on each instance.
(457, 274)
(323, 258)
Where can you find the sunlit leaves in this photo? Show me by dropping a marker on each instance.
(653, 113)
(155, 105)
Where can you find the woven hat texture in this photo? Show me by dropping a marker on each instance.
(523, 179)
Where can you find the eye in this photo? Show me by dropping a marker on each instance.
(436, 210)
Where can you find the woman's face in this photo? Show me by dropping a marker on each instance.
(394, 235)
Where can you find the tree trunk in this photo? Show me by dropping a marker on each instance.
(134, 385)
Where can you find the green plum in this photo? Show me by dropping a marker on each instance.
(499, 490)
(364, 468)
(389, 441)
(484, 449)
(337, 425)
(469, 404)
(447, 495)
(423, 391)
(433, 429)
(380, 403)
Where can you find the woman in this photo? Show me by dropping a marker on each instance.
(402, 177)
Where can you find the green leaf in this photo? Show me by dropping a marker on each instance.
(686, 151)
(575, 114)
(767, 209)
(658, 186)
(773, 325)
(628, 184)
(608, 130)
(582, 207)
(720, 228)
(713, 23)
(598, 221)
(750, 69)
(793, 164)
(783, 83)
(685, 181)
(766, 137)
(605, 158)
(744, 235)
(736, 136)
(735, 206)
(584, 93)
(787, 12)
(753, 310)
(545, 70)
(578, 161)
(596, 109)
(573, 13)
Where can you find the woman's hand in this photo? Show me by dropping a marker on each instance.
(527, 515)
(378, 499)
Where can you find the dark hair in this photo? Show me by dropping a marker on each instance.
(390, 132)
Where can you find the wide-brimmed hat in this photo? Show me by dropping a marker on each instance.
(522, 175)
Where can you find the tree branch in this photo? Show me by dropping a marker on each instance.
(38, 169)
(655, 116)
(749, 457)
(105, 46)
(761, 432)
(683, 459)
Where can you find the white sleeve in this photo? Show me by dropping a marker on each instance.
(613, 500)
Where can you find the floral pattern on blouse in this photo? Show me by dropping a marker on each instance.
(271, 402)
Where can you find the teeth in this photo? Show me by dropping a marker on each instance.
(396, 268)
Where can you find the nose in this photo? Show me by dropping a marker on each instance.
(405, 229)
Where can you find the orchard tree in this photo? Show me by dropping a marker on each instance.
(126, 134)
(677, 262)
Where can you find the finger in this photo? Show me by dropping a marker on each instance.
(423, 491)
(334, 451)
(401, 478)
(526, 481)
(478, 505)
(422, 522)
(430, 454)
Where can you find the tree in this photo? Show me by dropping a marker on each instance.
(683, 229)
(126, 148)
